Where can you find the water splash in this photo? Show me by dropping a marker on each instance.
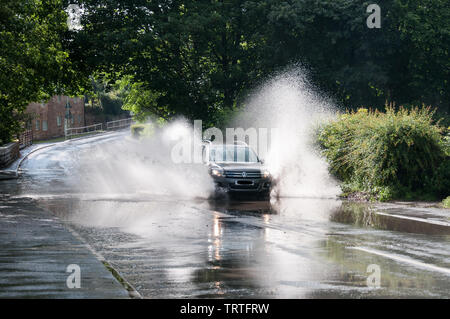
(130, 167)
(126, 168)
(288, 103)
(285, 102)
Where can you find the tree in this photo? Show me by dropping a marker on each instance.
(405, 61)
(201, 58)
(194, 57)
(33, 64)
(105, 95)
(140, 101)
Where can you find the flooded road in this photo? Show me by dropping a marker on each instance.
(169, 246)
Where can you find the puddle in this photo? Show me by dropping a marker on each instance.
(394, 218)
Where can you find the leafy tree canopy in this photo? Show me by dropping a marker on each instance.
(33, 63)
(200, 58)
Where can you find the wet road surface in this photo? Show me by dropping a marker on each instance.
(174, 247)
(35, 252)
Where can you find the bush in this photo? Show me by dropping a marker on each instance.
(392, 154)
(446, 202)
(142, 130)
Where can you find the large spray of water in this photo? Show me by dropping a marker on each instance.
(137, 168)
(285, 102)
(289, 104)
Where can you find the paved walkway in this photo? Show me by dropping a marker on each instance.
(35, 250)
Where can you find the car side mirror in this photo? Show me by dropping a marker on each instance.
(262, 161)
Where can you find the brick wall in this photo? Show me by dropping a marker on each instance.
(48, 117)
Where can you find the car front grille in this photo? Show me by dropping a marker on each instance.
(234, 186)
(242, 174)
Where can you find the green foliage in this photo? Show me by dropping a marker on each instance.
(446, 202)
(140, 101)
(106, 95)
(200, 58)
(186, 57)
(111, 104)
(388, 154)
(33, 63)
(405, 61)
(142, 130)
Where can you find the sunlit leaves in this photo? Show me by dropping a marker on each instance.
(33, 64)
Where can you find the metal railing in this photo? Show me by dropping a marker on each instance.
(74, 131)
(25, 138)
(111, 125)
(119, 124)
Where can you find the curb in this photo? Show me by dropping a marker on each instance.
(132, 292)
(33, 151)
(14, 174)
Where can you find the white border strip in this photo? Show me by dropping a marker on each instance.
(404, 260)
(422, 220)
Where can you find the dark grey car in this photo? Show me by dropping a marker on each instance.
(235, 168)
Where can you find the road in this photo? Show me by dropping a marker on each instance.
(169, 246)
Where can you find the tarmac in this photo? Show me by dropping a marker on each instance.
(35, 252)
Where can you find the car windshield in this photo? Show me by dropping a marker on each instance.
(233, 153)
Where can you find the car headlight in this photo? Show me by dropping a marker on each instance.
(216, 172)
(265, 173)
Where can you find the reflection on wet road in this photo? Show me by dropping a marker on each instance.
(169, 247)
(288, 249)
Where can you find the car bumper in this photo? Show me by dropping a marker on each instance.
(243, 185)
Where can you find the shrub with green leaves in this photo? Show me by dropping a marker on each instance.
(446, 202)
(393, 154)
